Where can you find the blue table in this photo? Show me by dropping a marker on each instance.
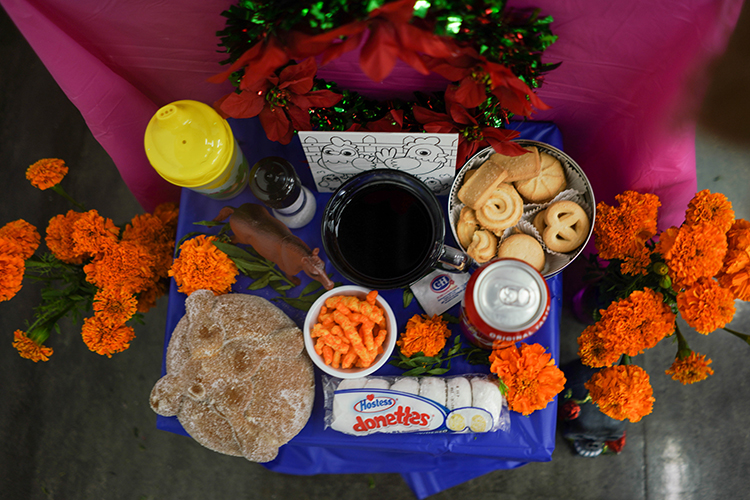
(428, 463)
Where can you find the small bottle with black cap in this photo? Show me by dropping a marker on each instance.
(276, 184)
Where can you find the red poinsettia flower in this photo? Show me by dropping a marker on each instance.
(475, 75)
(260, 61)
(282, 102)
(391, 37)
(472, 136)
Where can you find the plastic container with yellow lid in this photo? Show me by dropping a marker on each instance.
(192, 146)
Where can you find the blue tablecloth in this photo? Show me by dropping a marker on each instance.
(428, 463)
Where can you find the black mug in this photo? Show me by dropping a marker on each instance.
(385, 229)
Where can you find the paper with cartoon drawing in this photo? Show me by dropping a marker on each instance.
(334, 157)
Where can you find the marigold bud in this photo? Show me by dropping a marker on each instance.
(661, 268)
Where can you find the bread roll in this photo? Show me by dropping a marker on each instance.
(238, 377)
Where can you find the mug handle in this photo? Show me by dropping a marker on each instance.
(453, 260)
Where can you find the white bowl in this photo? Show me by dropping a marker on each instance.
(388, 344)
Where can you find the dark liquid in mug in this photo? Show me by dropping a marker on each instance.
(385, 232)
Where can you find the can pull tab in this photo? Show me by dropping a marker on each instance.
(515, 296)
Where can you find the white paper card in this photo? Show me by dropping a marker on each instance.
(440, 290)
(334, 157)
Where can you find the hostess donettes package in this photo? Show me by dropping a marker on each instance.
(368, 405)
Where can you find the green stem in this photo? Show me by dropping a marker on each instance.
(683, 349)
(57, 188)
(625, 360)
(743, 336)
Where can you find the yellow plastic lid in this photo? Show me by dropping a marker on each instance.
(188, 143)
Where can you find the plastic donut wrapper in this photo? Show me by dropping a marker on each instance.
(469, 403)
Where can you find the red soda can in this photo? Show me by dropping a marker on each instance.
(504, 300)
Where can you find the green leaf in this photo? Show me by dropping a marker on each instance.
(233, 250)
(210, 223)
(259, 283)
(438, 371)
(408, 297)
(415, 371)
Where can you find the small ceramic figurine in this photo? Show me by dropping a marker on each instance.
(253, 225)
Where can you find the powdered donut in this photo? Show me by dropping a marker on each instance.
(524, 247)
(238, 377)
(502, 210)
(567, 226)
(545, 186)
(483, 246)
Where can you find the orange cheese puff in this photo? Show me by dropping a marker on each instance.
(336, 361)
(326, 320)
(336, 343)
(351, 333)
(365, 331)
(349, 358)
(318, 330)
(319, 346)
(327, 354)
(372, 297)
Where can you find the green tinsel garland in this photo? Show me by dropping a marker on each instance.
(513, 38)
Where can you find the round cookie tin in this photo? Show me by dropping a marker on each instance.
(579, 190)
(505, 300)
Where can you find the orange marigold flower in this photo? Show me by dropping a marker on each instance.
(692, 252)
(738, 247)
(735, 275)
(152, 233)
(690, 369)
(424, 334)
(710, 208)
(23, 234)
(706, 306)
(59, 238)
(202, 266)
(92, 233)
(46, 173)
(147, 298)
(530, 374)
(104, 339)
(168, 213)
(12, 269)
(126, 265)
(622, 391)
(597, 349)
(622, 232)
(29, 349)
(114, 306)
(737, 283)
(628, 326)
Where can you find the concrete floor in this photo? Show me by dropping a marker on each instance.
(80, 427)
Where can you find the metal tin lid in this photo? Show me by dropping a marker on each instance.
(510, 296)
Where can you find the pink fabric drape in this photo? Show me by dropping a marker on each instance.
(623, 97)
